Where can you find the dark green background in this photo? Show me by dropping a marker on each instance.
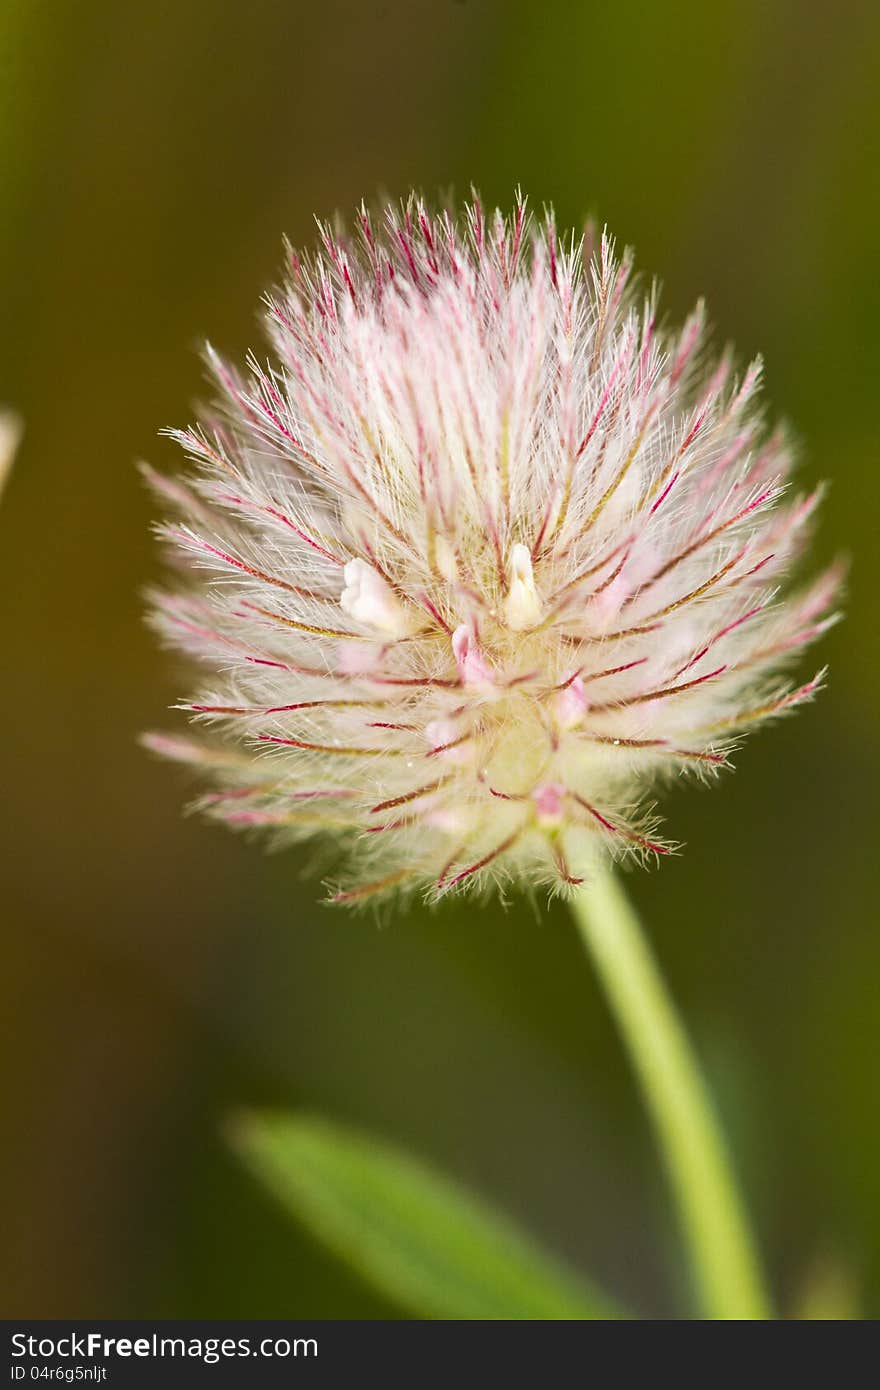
(158, 972)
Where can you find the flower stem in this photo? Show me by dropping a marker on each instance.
(725, 1266)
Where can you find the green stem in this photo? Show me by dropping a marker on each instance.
(725, 1266)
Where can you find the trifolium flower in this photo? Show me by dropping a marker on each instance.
(478, 557)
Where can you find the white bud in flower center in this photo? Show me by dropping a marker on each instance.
(369, 599)
(522, 606)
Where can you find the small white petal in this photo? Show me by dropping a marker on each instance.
(522, 606)
(369, 599)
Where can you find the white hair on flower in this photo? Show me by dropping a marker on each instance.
(481, 556)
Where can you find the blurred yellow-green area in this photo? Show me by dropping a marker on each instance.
(159, 973)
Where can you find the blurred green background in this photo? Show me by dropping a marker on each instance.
(158, 972)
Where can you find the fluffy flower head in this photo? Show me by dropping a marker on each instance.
(478, 558)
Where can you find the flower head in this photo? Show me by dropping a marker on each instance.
(482, 555)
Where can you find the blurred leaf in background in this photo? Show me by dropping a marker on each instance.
(430, 1246)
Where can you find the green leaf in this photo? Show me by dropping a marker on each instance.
(434, 1249)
